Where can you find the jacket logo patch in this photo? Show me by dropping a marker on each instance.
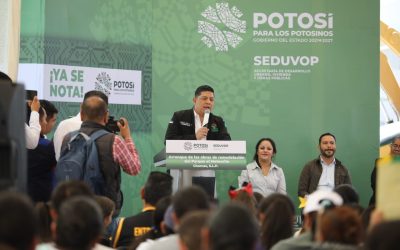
(185, 124)
(214, 127)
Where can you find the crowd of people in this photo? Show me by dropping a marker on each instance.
(76, 218)
(70, 214)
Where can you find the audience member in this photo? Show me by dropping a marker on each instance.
(244, 196)
(190, 230)
(276, 214)
(107, 208)
(61, 194)
(157, 186)
(41, 160)
(189, 199)
(233, 227)
(79, 224)
(18, 228)
(326, 172)
(51, 112)
(265, 176)
(384, 236)
(42, 210)
(315, 202)
(348, 194)
(339, 228)
(159, 228)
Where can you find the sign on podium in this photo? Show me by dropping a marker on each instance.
(211, 155)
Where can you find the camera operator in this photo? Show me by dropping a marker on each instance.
(74, 123)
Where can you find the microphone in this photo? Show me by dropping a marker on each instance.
(206, 117)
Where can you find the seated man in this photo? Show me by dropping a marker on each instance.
(157, 186)
(326, 172)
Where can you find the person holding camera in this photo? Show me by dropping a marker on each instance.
(73, 123)
(114, 152)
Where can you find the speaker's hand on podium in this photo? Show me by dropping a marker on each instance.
(201, 133)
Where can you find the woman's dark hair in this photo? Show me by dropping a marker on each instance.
(278, 211)
(42, 210)
(255, 157)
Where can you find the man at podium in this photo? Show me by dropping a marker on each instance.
(197, 123)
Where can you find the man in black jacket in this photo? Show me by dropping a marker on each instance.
(192, 124)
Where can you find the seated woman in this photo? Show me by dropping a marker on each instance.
(265, 176)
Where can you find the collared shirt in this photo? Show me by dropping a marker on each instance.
(32, 132)
(197, 124)
(265, 185)
(65, 126)
(327, 179)
(126, 155)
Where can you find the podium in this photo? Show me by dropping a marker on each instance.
(194, 162)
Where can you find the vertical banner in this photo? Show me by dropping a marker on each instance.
(289, 70)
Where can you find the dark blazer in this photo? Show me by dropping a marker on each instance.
(182, 127)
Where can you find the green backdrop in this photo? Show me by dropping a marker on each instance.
(338, 94)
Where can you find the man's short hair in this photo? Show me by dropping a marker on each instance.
(190, 229)
(348, 193)
(49, 107)
(94, 108)
(203, 88)
(96, 93)
(157, 186)
(18, 226)
(68, 189)
(79, 223)
(106, 204)
(188, 199)
(233, 227)
(325, 134)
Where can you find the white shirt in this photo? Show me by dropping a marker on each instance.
(52, 246)
(327, 179)
(274, 182)
(32, 132)
(65, 126)
(169, 242)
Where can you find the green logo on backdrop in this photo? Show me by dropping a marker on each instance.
(230, 26)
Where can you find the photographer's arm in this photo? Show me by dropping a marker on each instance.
(32, 132)
(124, 151)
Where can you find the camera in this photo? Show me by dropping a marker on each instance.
(30, 94)
(112, 125)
